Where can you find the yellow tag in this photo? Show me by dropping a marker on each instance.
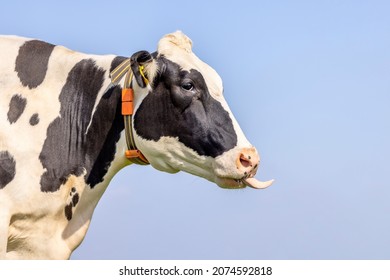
(141, 70)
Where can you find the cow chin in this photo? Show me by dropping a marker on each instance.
(227, 183)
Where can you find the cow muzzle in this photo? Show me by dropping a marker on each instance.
(247, 162)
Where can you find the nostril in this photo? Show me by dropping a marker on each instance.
(245, 162)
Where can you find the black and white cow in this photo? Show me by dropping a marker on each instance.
(62, 135)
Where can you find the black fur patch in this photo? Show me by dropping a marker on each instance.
(16, 108)
(7, 168)
(75, 199)
(107, 125)
(194, 116)
(68, 211)
(34, 120)
(64, 150)
(69, 148)
(32, 61)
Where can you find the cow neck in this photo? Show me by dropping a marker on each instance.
(132, 153)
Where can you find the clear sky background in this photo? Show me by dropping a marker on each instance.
(309, 82)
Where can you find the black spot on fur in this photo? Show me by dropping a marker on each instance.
(34, 120)
(75, 199)
(32, 61)
(193, 116)
(16, 108)
(69, 207)
(68, 211)
(7, 168)
(69, 148)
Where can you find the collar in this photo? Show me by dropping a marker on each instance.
(132, 153)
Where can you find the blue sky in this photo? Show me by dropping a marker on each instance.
(308, 81)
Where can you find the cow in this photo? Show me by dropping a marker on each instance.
(70, 121)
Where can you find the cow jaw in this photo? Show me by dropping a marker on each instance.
(170, 155)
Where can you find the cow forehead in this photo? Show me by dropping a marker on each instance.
(178, 50)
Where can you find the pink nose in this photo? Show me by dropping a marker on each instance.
(248, 161)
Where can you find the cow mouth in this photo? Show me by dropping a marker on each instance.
(252, 182)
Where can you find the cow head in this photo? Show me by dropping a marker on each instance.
(182, 121)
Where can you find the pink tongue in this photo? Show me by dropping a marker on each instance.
(256, 184)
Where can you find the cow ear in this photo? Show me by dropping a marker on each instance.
(139, 62)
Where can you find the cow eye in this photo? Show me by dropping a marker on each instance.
(187, 86)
